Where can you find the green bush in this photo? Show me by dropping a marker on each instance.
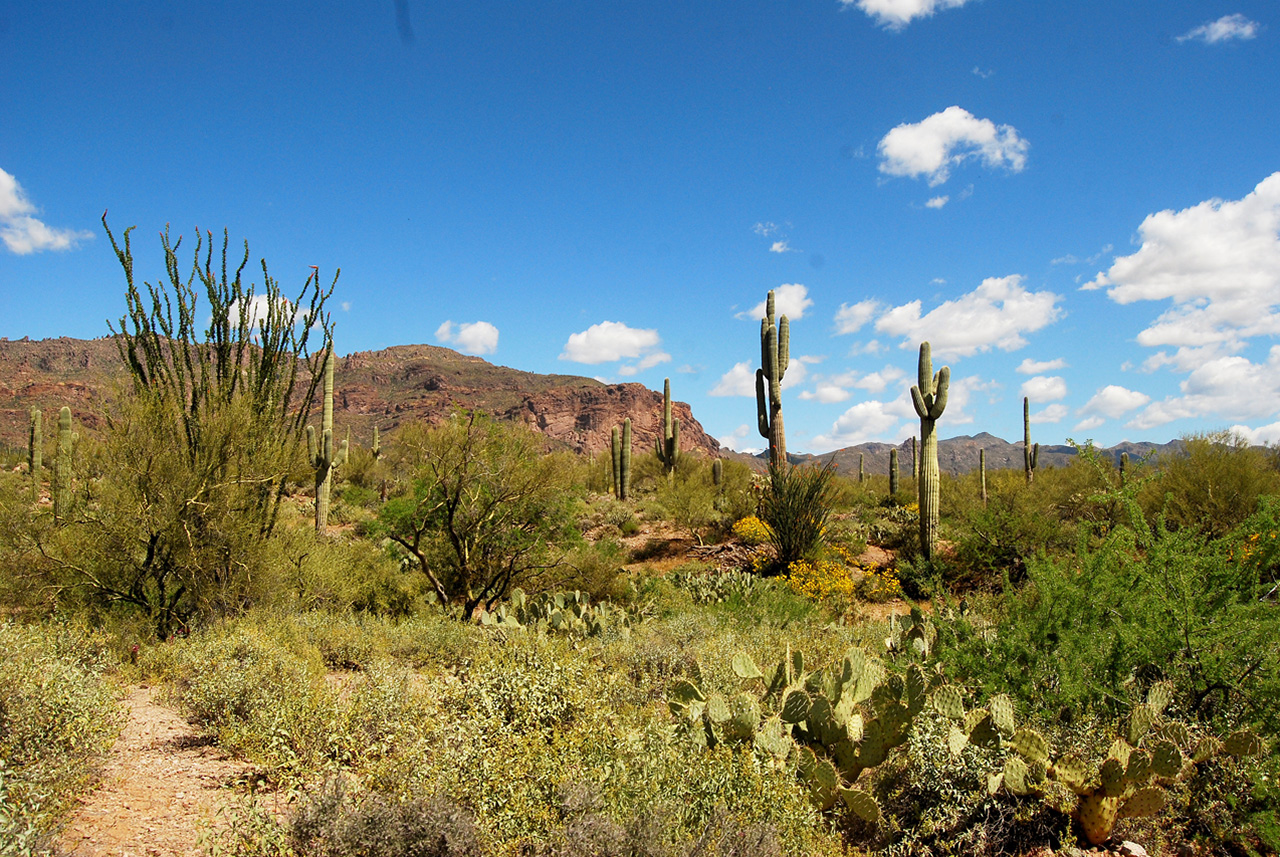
(1212, 485)
(58, 718)
(796, 506)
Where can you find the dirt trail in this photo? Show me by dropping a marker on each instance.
(162, 787)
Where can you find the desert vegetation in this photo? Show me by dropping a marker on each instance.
(481, 646)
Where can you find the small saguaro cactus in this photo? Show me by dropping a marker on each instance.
(668, 441)
(1124, 467)
(35, 452)
(376, 448)
(62, 467)
(321, 451)
(717, 473)
(620, 448)
(930, 399)
(982, 472)
(775, 352)
(1030, 454)
(893, 471)
(862, 470)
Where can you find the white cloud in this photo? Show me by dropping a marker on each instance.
(782, 247)
(1225, 387)
(1039, 367)
(1044, 388)
(850, 319)
(896, 14)
(1268, 434)
(649, 360)
(983, 74)
(738, 381)
(609, 341)
(736, 440)
(1051, 414)
(470, 337)
(258, 308)
(1072, 259)
(1089, 424)
(1227, 27)
(959, 395)
(876, 382)
(765, 228)
(346, 306)
(1218, 262)
(937, 202)
(997, 314)
(939, 142)
(1111, 402)
(21, 232)
(826, 392)
(863, 422)
(789, 299)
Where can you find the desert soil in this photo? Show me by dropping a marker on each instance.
(162, 789)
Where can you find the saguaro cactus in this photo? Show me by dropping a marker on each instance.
(775, 352)
(322, 455)
(62, 467)
(668, 443)
(35, 452)
(1124, 467)
(915, 459)
(862, 471)
(376, 448)
(1030, 454)
(982, 471)
(717, 473)
(893, 471)
(620, 446)
(930, 399)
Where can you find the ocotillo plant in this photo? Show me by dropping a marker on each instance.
(982, 471)
(322, 455)
(930, 399)
(35, 452)
(1030, 454)
(775, 352)
(62, 467)
(668, 441)
(893, 471)
(620, 447)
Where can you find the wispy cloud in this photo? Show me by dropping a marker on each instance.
(21, 231)
(470, 337)
(1039, 367)
(782, 247)
(896, 14)
(1110, 402)
(932, 146)
(1224, 29)
(937, 202)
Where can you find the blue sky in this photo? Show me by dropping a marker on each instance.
(1078, 202)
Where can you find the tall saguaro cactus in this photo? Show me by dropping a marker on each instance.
(668, 442)
(775, 352)
(35, 452)
(1030, 454)
(322, 455)
(620, 446)
(930, 399)
(62, 467)
(893, 471)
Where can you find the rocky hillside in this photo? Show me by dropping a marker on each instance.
(372, 388)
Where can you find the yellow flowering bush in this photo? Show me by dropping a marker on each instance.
(879, 584)
(821, 579)
(752, 530)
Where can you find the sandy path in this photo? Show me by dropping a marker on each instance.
(162, 787)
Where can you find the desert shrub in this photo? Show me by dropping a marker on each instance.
(336, 823)
(593, 568)
(344, 575)
(1212, 485)
(753, 531)
(58, 718)
(822, 579)
(1255, 547)
(796, 507)
(689, 497)
(707, 584)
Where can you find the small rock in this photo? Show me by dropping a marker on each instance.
(1132, 849)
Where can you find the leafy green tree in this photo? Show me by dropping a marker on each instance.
(196, 458)
(486, 510)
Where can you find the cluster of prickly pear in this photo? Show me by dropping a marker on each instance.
(1030, 454)
(620, 450)
(35, 452)
(716, 587)
(62, 466)
(841, 720)
(1130, 782)
(668, 441)
(914, 632)
(321, 451)
(930, 399)
(775, 350)
(557, 612)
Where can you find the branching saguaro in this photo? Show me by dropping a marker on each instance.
(1030, 454)
(667, 444)
(930, 399)
(775, 349)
